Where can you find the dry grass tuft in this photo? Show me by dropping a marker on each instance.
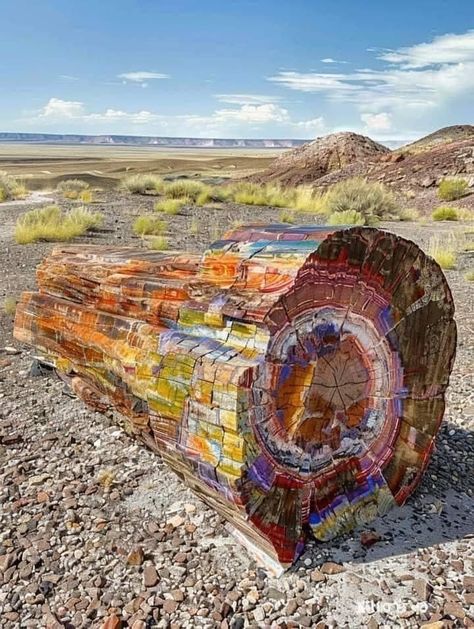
(372, 201)
(171, 206)
(148, 226)
(445, 213)
(142, 184)
(9, 306)
(408, 214)
(11, 188)
(248, 193)
(347, 217)
(51, 224)
(184, 189)
(86, 196)
(72, 188)
(106, 478)
(308, 200)
(444, 251)
(160, 243)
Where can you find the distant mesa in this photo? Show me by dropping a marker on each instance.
(143, 140)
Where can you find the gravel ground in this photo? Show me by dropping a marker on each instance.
(95, 531)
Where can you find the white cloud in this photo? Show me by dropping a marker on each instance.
(414, 79)
(411, 90)
(316, 125)
(246, 99)
(449, 48)
(114, 115)
(377, 122)
(331, 60)
(142, 77)
(260, 114)
(266, 119)
(314, 81)
(58, 108)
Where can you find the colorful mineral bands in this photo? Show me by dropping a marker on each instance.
(294, 377)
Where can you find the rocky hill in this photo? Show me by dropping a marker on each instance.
(308, 163)
(143, 140)
(446, 153)
(405, 169)
(446, 135)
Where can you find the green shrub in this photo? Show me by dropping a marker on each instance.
(51, 224)
(72, 188)
(470, 276)
(148, 226)
(445, 213)
(450, 189)
(184, 188)
(171, 206)
(11, 188)
(142, 183)
(373, 201)
(347, 217)
(160, 243)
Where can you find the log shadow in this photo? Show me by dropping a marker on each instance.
(439, 511)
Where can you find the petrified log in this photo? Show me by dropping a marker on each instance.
(294, 377)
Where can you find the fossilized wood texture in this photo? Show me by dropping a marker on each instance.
(294, 377)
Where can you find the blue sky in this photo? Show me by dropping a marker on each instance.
(236, 68)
